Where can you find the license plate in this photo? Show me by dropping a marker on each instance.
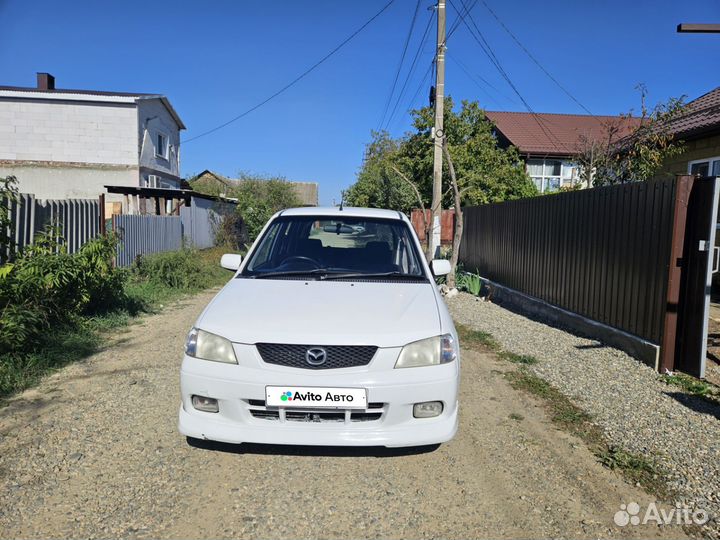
(317, 397)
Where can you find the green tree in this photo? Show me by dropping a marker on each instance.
(259, 198)
(632, 148)
(485, 172)
(378, 185)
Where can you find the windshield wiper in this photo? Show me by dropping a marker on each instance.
(288, 273)
(376, 275)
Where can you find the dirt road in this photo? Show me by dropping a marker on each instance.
(94, 452)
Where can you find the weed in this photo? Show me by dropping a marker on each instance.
(566, 415)
(518, 358)
(470, 337)
(517, 417)
(691, 385)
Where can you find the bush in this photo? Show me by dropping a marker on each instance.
(42, 288)
(174, 269)
(184, 270)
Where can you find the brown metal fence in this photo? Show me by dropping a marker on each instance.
(602, 253)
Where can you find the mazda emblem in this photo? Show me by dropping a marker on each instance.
(315, 356)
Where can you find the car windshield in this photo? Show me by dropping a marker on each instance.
(330, 248)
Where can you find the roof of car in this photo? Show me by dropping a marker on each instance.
(335, 211)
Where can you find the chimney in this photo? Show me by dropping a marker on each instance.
(45, 81)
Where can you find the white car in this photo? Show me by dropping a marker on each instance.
(325, 336)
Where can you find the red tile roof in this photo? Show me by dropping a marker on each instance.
(701, 115)
(552, 134)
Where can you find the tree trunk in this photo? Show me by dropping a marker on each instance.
(457, 236)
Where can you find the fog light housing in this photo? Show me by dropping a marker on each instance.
(427, 409)
(205, 404)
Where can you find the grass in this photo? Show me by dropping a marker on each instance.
(83, 336)
(691, 385)
(635, 468)
(524, 359)
(517, 417)
(569, 417)
(473, 338)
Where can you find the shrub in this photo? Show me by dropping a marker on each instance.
(175, 269)
(471, 283)
(45, 286)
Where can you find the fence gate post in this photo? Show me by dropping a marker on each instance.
(669, 336)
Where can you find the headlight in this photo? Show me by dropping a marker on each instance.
(427, 352)
(207, 346)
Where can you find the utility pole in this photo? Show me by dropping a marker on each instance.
(438, 132)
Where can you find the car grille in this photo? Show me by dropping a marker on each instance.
(373, 413)
(337, 356)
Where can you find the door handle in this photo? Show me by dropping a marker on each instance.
(716, 260)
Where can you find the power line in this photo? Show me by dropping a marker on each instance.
(297, 79)
(402, 59)
(458, 20)
(428, 72)
(410, 71)
(487, 49)
(537, 62)
(473, 79)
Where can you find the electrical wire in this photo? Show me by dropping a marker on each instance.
(473, 79)
(487, 49)
(400, 64)
(296, 80)
(537, 62)
(410, 71)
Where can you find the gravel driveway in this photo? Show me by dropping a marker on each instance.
(626, 398)
(94, 452)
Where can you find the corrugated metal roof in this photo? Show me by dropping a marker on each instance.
(553, 134)
(701, 115)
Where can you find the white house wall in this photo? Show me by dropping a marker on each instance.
(153, 117)
(63, 182)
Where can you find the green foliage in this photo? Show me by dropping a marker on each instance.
(632, 148)
(259, 198)
(45, 286)
(378, 185)
(182, 270)
(469, 282)
(691, 385)
(524, 359)
(485, 172)
(53, 305)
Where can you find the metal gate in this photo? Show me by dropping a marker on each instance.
(699, 261)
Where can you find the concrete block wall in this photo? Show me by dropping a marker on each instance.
(66, 131)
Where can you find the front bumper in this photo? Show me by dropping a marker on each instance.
(240, 391)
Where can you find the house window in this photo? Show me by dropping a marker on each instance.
(162, 148)
(551, 174)
(705, 167)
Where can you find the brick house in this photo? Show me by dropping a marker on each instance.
(71, 143)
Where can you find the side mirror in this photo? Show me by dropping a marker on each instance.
(231, 261)
(440, 267)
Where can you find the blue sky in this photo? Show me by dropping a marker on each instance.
(216, 59)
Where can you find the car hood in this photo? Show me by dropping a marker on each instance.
(387, 314)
